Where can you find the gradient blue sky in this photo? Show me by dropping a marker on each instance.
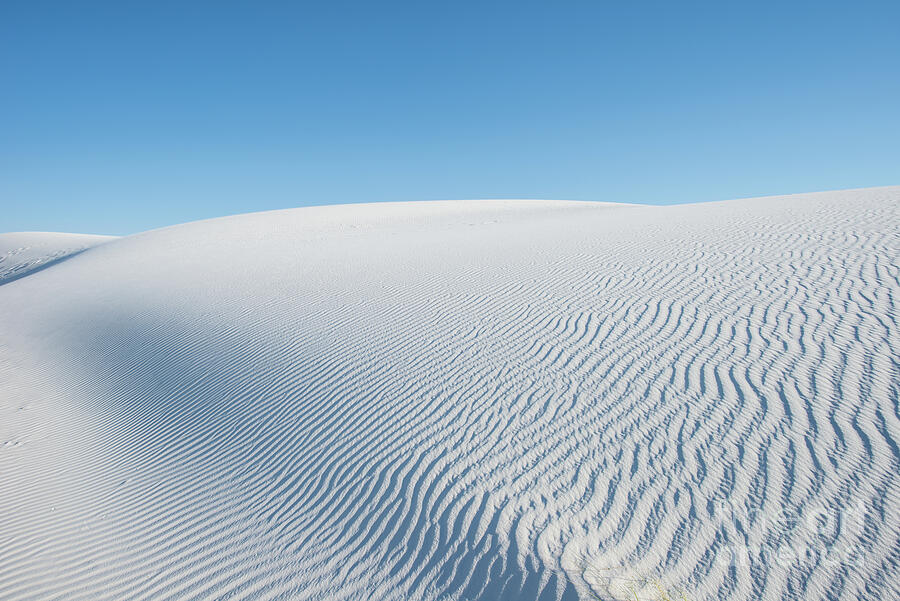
(117, 117)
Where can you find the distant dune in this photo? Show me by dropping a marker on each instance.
(22, 253)
(492, 400)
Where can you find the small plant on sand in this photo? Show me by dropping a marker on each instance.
(622, 584)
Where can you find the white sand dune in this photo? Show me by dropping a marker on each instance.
(24, 252)
(488, 400)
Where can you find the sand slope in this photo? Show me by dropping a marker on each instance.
(461, 400)
(22, 253)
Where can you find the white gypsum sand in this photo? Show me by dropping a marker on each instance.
(22, 253)
(489, 400)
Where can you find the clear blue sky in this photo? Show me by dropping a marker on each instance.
(117, 117)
